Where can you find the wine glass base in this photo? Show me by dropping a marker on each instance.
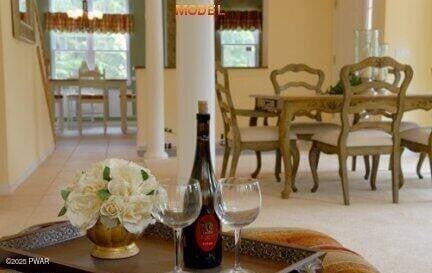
(236, 270)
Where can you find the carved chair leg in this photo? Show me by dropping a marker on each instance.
(430, 162)
(396, 168)
(278, 165)
(367, 166)
(225, 160)
(391, 162)
(343, 172)
(420, 164)
(105, 116)
(259, 164)
(375, 165)
(296, 162)
(313, 162)
(354, 163)
(79, 114)
(234, 161)
(401, 176)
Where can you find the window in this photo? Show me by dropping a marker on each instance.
(240, 48)
(240, 34)
(110, 52)
(65, 5)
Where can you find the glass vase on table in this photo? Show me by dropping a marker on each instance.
(237, 204)
(178, 205)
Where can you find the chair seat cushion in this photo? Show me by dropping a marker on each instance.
(311, 128)
(361, 138)
(417, 135)
(259, 134)
(407, 125)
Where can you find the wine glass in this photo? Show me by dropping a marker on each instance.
(237, 204)
(177, 205)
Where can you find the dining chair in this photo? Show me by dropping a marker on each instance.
(58, 107)
(419, 140)
(365, 137)
(303, 130)
(404, 126)
(422, 157)
(92, 91)
(131, 98)
(238, 139)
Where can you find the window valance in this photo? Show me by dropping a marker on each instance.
(110, 23)
(235, 20)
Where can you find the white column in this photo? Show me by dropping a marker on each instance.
(369, 14)
(196, 80)
(140, 110)
(152, 98)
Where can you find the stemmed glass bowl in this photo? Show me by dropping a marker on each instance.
(177, 204)
(237, 203)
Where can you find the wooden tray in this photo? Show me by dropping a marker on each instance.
(69, 251)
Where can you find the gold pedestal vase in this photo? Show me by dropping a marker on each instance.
(112, 243)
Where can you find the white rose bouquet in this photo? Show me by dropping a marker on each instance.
(114, 192)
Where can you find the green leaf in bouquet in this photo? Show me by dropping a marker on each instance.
(151, 193)
(106, 174)
(144, 175)
(103, 194)
(62, 211)
(65, 194)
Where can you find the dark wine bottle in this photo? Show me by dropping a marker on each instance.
(202, 245)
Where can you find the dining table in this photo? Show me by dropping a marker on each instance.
(110, 84)
(287, 106)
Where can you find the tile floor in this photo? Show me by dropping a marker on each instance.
(395, 238)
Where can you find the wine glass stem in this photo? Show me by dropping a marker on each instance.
(237, 235)
(177, 240)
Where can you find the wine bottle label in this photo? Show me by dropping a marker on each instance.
(207, 232)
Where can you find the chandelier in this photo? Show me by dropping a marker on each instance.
(84, 13)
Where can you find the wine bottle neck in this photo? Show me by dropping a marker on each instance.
(203, 136)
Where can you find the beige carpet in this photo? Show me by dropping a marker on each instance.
(395, 238)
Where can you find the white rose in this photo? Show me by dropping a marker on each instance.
(137, 214)
(83, 209)
(113, 207)
(96, 170)
(119, 187)
(144, 187)
(115, 164)
(89, 184)
(123, 172)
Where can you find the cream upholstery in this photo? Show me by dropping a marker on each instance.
(408, 125)
(417, 135)
(311, 128)
(361, 138)
(259, 134)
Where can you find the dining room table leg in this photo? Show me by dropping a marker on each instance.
(123, 108)
(284, 142)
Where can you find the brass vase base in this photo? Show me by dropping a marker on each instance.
(114, 253)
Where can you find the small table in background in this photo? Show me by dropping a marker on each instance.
(121, 85)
